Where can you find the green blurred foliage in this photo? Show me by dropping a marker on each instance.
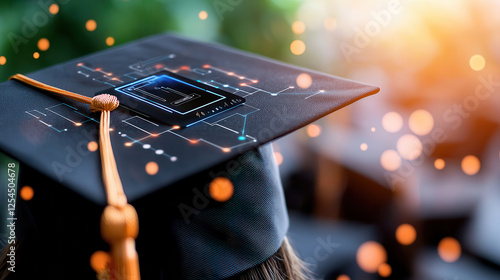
(260, 26)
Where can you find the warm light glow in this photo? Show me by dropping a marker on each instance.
(370, 256)
(421, 122)
(36, 55)
(279, 158)
(43, 44)
(91, 25)
(449, 249)
(176, 127)
(92, 146)
(330, 24)
(409, 147)
(152, 168)
(298, 27)
(206, 66)
(54, 9)
(471, 165)
(384, 270)
(3, 60)
(26, 193)
(406, 234)
(477, 62)
(226, 150)
(78, 124)
(243, 85)
(313, 130)
(373, 129)
(128, 144)
(304, 80)
(392, 122)
(439, 164)
(390, 160)
(363, 147)
(343, 277)
(203, 15)
(221, 189)
(110, 41)
(100, 260)
(297, 47)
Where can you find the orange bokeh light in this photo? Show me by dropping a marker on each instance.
(152, 168)
(392, 122)
(91, 25)
(298, 27)
(439, 164)
(477, 62)
(313, 130)
(421, 122)
(278, 157)
(385, 270)
(409, 146)
(203, 15)
(449, 249)
(471, 165)
(92, 146)
(363, 146)
(3, 60)
(221, 189)
(406, 234)
(390, 160)
(297, 47)
(43, 44)
(36, 55)
(304, 80)
(27, 193)
(343, 277)
(100, 260)
(54, 9)
(110, 41)
(370, 256)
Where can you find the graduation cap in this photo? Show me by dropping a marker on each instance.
(190, 145)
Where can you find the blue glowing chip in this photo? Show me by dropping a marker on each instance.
(173, 99)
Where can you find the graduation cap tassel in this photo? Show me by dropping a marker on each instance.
(119, 221)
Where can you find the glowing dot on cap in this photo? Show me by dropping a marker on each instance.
(159, 152)
(304, 80)
(297, 47)
(203, 15)
(298, 27)
(242, 138)
(471, 165)
(146, 146)
(3, 60)
(363, 146)
(221, 189)
(26, 193)
(278, 157)
(100, 260)
(152, 168)
(91, 25)
(110, 41)
(392, 122)
(173, 159)
(36, 55)
(176, 127)
(477, 62)
(406, 234)
(439, 164)
(370, 256)
(449, 249)
(390, 160)
(43, 44)
(226, 150)
(128, 144)
(384, 270)
(92, 146)
(313, 130)
(54, 9)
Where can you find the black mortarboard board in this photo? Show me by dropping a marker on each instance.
(50, 136)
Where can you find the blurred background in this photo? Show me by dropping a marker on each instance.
(401, 185)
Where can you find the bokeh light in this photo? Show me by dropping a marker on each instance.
(313, 130)
(297, 47)
(92, 146)
(298, 27)
(91, 25)
(384, 270)
(221, 189)
(449, 249)
(471, 165)
(390, 160)
(26, 193)
(36, 55)
(392, 122)
(477, 62)
(439, 164)
(203, 15)
(278, 157)
(343, 277)
(406, 234)
(304, 80)
(100, 260)
(421, 122)
(54, 9)
(409, 146)
(370, 256)
(363, 146)
(3, 60)
(152, 168)
(43, 44)
(110, 41)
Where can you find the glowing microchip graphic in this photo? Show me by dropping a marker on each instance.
(173, 99)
